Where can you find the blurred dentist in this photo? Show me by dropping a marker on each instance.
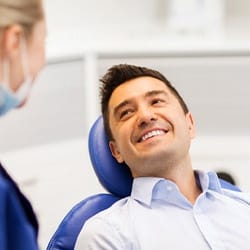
(22, 55)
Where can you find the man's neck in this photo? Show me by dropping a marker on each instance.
(184, 177)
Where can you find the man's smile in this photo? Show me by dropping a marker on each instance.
(152, 133)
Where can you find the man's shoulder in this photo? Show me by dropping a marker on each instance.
(242, 197)
(111, 225)
(116, 214)
(116, 208)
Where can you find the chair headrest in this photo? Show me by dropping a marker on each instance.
(114, 177)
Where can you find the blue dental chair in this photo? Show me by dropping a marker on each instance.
(114, 177)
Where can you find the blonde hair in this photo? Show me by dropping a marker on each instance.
(23, 12)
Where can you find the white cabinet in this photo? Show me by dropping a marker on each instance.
(56, 110)
(64, 102)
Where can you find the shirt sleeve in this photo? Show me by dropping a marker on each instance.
(98, 234)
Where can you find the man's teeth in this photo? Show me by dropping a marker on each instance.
(151, 134)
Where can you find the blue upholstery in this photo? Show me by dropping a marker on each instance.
(115, 178)
(65, 236)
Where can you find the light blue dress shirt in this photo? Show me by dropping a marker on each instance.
(158, 216)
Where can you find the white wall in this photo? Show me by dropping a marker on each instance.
(111, 18)
(98, 17)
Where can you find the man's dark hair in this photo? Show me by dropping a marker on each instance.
(117, 75)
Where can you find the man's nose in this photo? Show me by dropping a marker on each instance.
(145, 115)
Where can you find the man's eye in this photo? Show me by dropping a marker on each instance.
(125, 113)
(156, 101)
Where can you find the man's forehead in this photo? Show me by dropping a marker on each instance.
(140, 85)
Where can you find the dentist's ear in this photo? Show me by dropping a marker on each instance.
(191, 124)
(115, 151)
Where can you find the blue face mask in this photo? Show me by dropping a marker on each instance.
(8, 100)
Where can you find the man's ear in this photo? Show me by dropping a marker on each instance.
(191, 124)
(115, 151)
(12, 39)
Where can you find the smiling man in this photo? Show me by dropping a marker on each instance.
(171, 206)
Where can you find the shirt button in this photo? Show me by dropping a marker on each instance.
(169, 188)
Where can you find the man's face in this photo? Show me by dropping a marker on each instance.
(149, 127)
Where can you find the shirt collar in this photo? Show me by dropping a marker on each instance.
(145, 189)
(142, 188)
(208, 181)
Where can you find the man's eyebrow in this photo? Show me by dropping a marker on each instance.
(156, 92)
(121, 105)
